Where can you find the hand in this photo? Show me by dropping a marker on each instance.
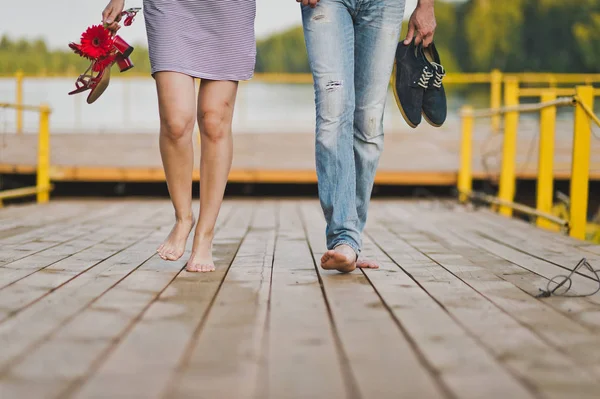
(422, 21)
(311, 3)
(112, 14)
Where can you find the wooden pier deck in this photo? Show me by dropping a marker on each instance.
(88, 310)
(426, 156)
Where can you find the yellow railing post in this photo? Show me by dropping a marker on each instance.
(545, 181)
(43, 166)
(465, 175)
(509, 151)
(19, 100)
(496, 96)
(580, 169)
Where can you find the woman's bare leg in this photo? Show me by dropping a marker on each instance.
(216, 101)
(177, 107)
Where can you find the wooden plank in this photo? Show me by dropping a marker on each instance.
(32, 326)
(529, 278)
(41, 235)
(89, 335)
(38, 214)
(373, 343)
(556, 249)
(302, 358)
(131, 368)
(32, 209)
(89, 252)
(533, 257)
(224, 359)
(526, 355)
(571, 338)
(463, 364)
(53, 247)
(552, 320)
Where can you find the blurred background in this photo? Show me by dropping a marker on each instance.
(472, 36)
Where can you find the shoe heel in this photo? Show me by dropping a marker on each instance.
(124, 63)
(122, 46)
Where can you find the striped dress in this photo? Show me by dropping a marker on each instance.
(207, 39)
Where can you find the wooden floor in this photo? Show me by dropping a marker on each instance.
(87, 309)
(426, 156)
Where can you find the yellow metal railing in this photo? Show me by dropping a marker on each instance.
(582, 100)
(43, 186)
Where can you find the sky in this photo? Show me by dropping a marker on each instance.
(62, 21)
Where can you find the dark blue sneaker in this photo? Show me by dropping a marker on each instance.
(410, 79)
(434, 98)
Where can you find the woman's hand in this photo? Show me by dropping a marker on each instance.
(112, 14)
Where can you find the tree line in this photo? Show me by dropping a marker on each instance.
(473, 35)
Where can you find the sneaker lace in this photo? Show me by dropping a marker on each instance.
(440, 72)
(425, 77)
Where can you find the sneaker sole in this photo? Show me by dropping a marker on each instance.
(398, 99)
(429, 121)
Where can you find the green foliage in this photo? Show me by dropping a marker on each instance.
(284, 52)
(34, 57)
(472, 35)
(493, 32)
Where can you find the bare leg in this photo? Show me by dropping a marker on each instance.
(216, 101)
(176, 101)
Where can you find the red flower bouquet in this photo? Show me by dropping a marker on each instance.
(96, 42)
(103, 48)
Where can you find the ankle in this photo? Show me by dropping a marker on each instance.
(346, 250)
(185, 218)
(204, 235)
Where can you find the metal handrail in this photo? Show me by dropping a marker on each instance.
(43, 187)
(582, 102)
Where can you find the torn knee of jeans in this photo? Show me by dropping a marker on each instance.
(333, 85)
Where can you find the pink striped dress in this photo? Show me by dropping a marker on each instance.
(207, 39)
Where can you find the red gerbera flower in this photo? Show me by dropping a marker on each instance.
(96, 42)
(77, 50)
(103, 63)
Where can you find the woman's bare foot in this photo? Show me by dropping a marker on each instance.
(342, 258)
(365, 263)
(201, 259)
(174, 246)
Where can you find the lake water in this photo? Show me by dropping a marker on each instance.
(130, 106)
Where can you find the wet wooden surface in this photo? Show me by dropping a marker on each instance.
(422, 156)
(87, 308)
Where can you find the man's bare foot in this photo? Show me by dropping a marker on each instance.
(201, 259)
(174, 246)
(342, 258)
(365, 263)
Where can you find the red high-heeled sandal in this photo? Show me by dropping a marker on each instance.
(96, 84)
(124, 63)
(122, 46)
(119, 54)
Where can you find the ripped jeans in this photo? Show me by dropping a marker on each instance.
(351, 46)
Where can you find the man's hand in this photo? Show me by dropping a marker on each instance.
(112, 14)
(311, 3)
(422, 22)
